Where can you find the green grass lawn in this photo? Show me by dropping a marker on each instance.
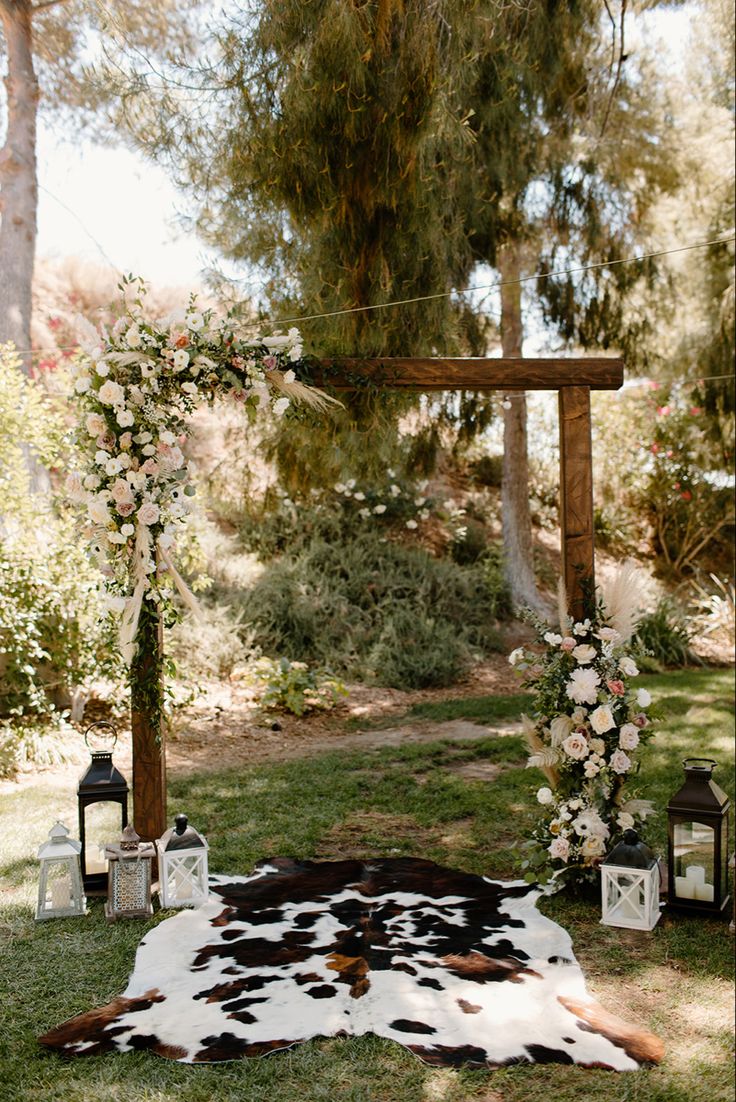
(407, 800)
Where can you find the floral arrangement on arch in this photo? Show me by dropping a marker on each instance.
(137, 384)
(588, 725)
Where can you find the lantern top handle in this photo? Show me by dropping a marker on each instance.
(97, 726)
(710, 762)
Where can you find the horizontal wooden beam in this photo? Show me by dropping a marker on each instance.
(468, 373)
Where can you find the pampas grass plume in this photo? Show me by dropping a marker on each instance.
(621, 595)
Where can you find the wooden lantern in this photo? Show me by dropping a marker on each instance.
(102, 797)
(129, 877)
(60, 892)
(630, 885)
(182, 866)
(698, 841)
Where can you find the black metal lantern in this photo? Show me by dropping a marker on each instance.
(102, 796)
(698, 841)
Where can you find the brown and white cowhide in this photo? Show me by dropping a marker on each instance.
(458, 968)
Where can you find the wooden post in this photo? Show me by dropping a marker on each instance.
(146, 701)
(576, 496)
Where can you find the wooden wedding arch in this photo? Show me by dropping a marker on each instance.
(573, 379)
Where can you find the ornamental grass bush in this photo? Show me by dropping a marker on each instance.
(357, 602)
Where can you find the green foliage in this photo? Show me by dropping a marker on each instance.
(293, 687)
(349, 598)
(51, 635)
(664, 636)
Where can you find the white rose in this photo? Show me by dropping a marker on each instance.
(95, 424)
(597, 746)
(125, 418)
(576, 746)
(135, 395)
(111, 393)
(516, 656)
(167, 437)
(553, 639)
(643, 698)
(149, 449)
(98, 512)
(559, 849)
(128, 530)
(101, 457)
(601, 720)
(102, 368)
(91, 482)
(620, 762)
(133, 337)
(545, 796)
(149, 513)
(82, 384)
(584, 653)
(113, 466)
(628, 666)
(608, 635)
(180, 359)
(628, 737)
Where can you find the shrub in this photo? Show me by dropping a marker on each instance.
(417, 651)
(293, 687)
(345, 602)
(211, 645)
(664, 637)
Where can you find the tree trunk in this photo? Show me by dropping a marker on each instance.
(18, 184)
(517, 523)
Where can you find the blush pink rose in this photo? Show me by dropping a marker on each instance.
(616, 687)
(640, 720)
(125, 508)
(150, 466)
(568, 644)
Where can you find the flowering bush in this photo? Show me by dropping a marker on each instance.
(293, 687)
(136, 385)
(587, 726)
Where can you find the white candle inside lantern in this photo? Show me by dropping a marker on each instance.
(684, 888)
(695, 873)
(182, 885)
(60, 895)
(704, 892)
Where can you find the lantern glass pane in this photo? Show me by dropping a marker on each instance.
(58, 886)
(626, 896)
(184, 877)
(101, 826)
(694, 849)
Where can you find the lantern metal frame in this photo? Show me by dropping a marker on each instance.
(699, 802)
(182, 866)
(60, 851)
(102, 782)
(129, 877)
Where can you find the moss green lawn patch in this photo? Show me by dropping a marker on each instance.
(675, 981)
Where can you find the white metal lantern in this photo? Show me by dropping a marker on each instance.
(182, 866)
(129, 877)
(630, 883)
(60, 891)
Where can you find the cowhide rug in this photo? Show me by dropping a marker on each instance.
(457, 968)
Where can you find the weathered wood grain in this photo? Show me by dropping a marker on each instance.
(576, 495)
(149, 756)
(441, 373)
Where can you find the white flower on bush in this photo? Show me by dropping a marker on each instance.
(133, 337)
(545, 796)
(553, 639)
(582, 686)
(125, 418)
(589, 824)
(111, 393)
(601, 720)
(280, 406)
(379, 509)
(576, 746)
(339, 488)
(628, 666)
(620, 762)
(584, 653)
(82, 384)
(643, 698)
(559, 849)
(516, 656)
(365, 513)
(149, 513)
(628, 737)
(394, 490)
(411, 524)
(359, 496)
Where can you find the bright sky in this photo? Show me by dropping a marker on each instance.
(111, 205)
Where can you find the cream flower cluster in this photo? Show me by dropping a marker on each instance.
(136, 385)
(588, 725)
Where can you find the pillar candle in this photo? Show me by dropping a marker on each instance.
(704, 892)
(684, 888)
(60, 895)
(695, 873)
